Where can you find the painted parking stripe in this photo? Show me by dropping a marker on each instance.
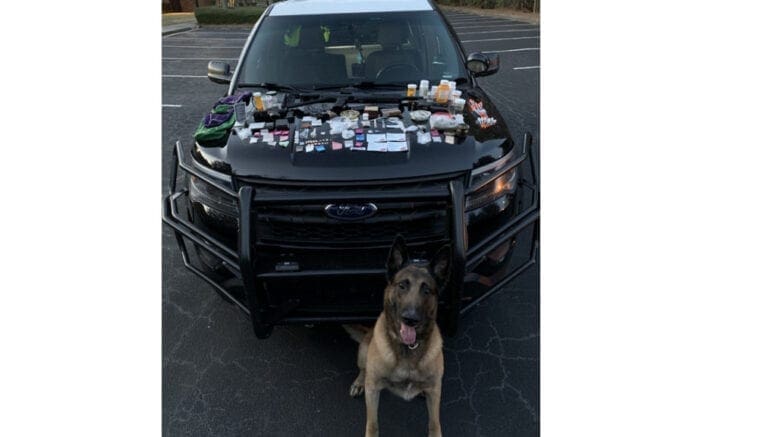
(210, 38)
(495, 25)
(526, 68)
(491, 21)
(200, 59)
(184, 76)
(482, 19)
(528, 49)
(499, 31)
(502, 39)
(165, 105)
(205, 34)
(179, 33)
(201, 47)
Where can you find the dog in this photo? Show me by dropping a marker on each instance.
(403, 351)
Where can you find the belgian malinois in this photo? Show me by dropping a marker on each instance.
(403, 351)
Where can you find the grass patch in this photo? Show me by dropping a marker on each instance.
(239, 15)
(177, 18)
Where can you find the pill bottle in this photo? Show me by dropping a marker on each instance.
(258, 104)
(411, 89)
(458, 105)
(424, 88)
(443, 92)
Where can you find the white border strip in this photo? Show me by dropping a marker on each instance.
(166, 105)
(184, 76)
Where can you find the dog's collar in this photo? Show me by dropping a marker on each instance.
(413, 347)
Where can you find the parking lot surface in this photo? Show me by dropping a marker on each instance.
(219, 379)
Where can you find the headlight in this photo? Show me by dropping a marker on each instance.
(211, 198)
(498, 191)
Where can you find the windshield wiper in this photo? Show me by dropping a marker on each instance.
(361, 86)
(371, 85)
(273, 87)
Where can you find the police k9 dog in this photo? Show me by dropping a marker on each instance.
(403, 351)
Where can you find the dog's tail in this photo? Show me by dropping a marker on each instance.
(357, 332)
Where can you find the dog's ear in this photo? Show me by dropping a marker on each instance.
(397, 257)
(440, 265)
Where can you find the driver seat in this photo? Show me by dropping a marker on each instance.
(310, 64)
(390, 38)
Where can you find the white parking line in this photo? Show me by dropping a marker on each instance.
(209, 38)
(200, 59)
(528, 49)
(184, 76)
(176, 34)
(526, 68)
(480, 19)
(495, 25)
(502, 39)
(164, 105)
(499, 31)
(201, 47)
(492, 21)
(217, 34)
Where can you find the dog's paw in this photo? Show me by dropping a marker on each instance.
(357, 389)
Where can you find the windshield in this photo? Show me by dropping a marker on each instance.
(319, 51)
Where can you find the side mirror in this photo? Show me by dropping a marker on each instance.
(481, 64)
(219, 72)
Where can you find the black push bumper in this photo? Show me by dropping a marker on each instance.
(242, 262)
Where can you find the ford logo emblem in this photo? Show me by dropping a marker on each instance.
(351, 211)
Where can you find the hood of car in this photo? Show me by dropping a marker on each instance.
(294, 161)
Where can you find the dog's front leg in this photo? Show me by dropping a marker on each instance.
(433, 409)
(372, 398)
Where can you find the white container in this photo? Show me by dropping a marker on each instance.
(424, 88)
(458, 105)
(432, 93)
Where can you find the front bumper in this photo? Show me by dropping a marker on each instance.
(479, 269)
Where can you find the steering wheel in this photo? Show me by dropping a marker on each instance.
(395, 68)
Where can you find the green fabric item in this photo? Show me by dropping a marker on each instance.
(222, 109)
(291, 37)
(214, 133)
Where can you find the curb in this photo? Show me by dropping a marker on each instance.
(183, 28)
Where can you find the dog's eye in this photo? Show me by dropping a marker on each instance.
(425, 289)
(403, 285)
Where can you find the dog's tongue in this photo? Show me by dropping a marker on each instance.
(408, 334)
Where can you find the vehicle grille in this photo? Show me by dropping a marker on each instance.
(414, 222)
(306, 224)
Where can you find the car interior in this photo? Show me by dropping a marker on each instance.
(333, 50)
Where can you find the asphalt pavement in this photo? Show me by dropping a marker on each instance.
(219, 379)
